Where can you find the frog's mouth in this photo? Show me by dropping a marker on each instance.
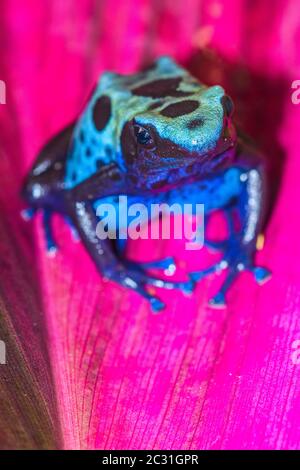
(226, 144)
(165, 164)
(195, 161)
(177, 172)
(225, 149)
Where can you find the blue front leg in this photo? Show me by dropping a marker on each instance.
(239, 250)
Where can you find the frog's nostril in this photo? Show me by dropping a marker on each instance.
(227, 104)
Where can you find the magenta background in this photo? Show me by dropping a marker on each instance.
(191, 377)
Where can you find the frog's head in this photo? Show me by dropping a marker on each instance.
(159, 126)
(182, 130)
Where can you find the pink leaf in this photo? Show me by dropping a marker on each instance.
(190, 377)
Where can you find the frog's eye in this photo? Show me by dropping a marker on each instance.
(143, 136)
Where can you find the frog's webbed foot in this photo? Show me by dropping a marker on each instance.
(133, 275)
(51, 244)
(168, 266)
(135, 281)
(237, 257)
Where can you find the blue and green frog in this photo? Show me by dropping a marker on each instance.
(158, 135)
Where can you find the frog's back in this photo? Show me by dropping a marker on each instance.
(116, 100)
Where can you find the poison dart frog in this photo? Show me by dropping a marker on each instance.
(156, 135)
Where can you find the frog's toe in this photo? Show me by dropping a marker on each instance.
(167, 264)
(156, 304)
(261, 274)
(51, 251)
(235, 262)
(218, 301)
(188, 287)
(28, 214)
(51, 245)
